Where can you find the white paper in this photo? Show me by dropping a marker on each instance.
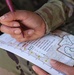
(58, 46)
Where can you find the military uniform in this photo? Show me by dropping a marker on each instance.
(55, 13)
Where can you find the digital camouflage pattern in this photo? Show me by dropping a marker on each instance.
(53, 12)
(56, 13)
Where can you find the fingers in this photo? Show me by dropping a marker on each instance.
(11, 16)
(12, 24)
(62, 67)
(25, 36)
(21, 15)
(17, 33)
(39, 71)
(10, 30)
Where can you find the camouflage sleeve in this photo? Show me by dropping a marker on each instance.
(55, 13)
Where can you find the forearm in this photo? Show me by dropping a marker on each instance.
(55, 13)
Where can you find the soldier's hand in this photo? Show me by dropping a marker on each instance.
(67, 70)
(33, 25)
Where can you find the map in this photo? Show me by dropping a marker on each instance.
(58, 45)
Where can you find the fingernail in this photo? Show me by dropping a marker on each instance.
(52, 61)
(34, 68)
(31, 32)
(17, 31)
(15, 25)
(3, 17)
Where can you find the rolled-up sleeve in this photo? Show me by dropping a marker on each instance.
(55, 13)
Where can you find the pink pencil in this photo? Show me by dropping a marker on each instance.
(10, 5)
(11, 8)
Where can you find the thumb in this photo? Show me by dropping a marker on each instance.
(60, 66)
(17, 15)
(39, 71)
